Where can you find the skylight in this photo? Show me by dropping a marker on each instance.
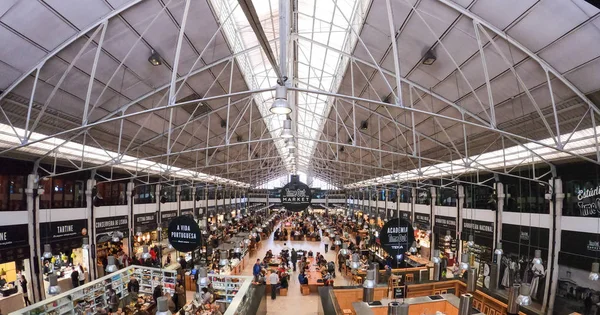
(331, 23)
(75, 151)
(581, 142)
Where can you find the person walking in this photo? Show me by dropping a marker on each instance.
(81, 274)
(75, 278)
(273, 281)
(326, 242)
(294, 258)
(256, 270)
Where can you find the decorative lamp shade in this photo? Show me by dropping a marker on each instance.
(337, 241)
(471, 241)
(203, 279)
(47, 251)
(145, 253)
(537, 258)
(53, 289)
(594, 273)
(355, 264)
(162, 306)
(224, 258)
(370, 279)
(247, 241)
(448, 236)
(524, 297)
(110, 266)
(344, 250)
(413, 248)
(138, 231)
(85, 243)
(499, 250)
(115, 238)
(436, 256)
(464, 262)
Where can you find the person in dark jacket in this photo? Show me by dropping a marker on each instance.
(294, 258)
(157, 292)
(75, 278)
(113, 300)
(23, 284)
(133, 287)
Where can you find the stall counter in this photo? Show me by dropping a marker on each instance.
(12, 303)
(446, 303)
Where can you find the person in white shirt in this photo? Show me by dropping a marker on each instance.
(326, 242)
(273, 281)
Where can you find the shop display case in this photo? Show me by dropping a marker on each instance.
(150, 278)
(226, 287)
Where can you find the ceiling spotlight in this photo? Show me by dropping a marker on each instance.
(350, 141)
(290, 144)
(364, 125)
(280, 105)
(155, 59)
(429, 58)
(223, 124)
(239, 139)
(287, 129)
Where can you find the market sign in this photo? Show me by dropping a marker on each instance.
(14, 242)
(447, 223)
(396, 236)
(580, 251)
(405, 215)
(63, 235)
(106, 226)
(588, 201)
(188, 212)
(423, 220)
(167, 216)
(184, 234)
(478, 228)
(295, 195)
(145, 221)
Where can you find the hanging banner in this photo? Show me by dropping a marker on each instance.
(295, 195)
(184, 234)
(396, 236)
(106, 226)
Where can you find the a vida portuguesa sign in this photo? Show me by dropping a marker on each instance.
(184, 233)
(295, 196)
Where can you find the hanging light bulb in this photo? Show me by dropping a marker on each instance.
(337, 241)
(138, 231)
(47, 251)
(524, 298)
(145, 253)
(448, 236)
(537, 258)
(162, 306)
(85, 243)
(115, 238)
(355, 264)
(436, 257)
(344, 250)
(247, 241)
(224, 261)
(280, 106)
(203, 279)
(290, 144)
(110, 266)
(53, 289)
(470, 242)
(499, 250)
(413, 248)
(464, 262)
(594, 276)
(287, 129)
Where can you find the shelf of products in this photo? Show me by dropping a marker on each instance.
(225, 287)
(149, 279)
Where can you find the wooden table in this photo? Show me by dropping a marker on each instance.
(314, 275)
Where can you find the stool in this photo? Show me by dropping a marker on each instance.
(356, 279)
(409, 278)
(346, 311)
(304, 289)
(283, 292)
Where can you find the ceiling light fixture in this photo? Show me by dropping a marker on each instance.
(290, 144)
(364, 125)
(594, 276)
(155, 59)
(287, 129)
(429, 58)
(280, 106)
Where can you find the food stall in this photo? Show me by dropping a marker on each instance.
(14, 261)
(144, 226)
(112, 234)
(444, 230)
(422, 228)
(65, 240)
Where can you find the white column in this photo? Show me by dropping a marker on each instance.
(178, 194)
(556, 208)
(36, 224)
(433, 192)
(460, 205)
(32, 218)
(130, 202)
(89, 201)
(498, 223)
(413, 197)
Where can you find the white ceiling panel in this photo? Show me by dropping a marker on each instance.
(9, 74)
(43, 26)
(586, 79)
(574, 49)
(501, 13)
(80, 13)
(20, 54)
(548, 21)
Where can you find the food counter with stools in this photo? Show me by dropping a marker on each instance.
(64, 279)
(444, 303)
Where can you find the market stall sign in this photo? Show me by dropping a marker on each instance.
(423, 220)
(167, 216)
(478, 228)
(581, 251)
(188, 212)
(588, 201)
(63, 235)
(14, 236)
(405, 215)
(396, 236)
(145, 221)
(399, 292)
(184, 234)
(295, 195)
(105, 226)
(447, 223)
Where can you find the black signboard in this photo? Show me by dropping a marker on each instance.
(406, 215)
(146, 222)
(396, 237)
(14, 242)
(445, 223)
(188, 212)
(63, 235)
(295, 195)
(478, 228)
(399, 292)
(105, 226)
(423, 220)
(166, 217)
(579, 249)
(587, 202)
(184, 234)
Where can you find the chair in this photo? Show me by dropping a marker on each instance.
(304, 290)
(409, 278)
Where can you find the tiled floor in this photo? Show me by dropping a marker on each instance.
(294, 302)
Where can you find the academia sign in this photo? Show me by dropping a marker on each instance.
(396, 237)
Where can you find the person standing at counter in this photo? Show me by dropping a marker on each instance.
(75, 278)
(273, 281)
(133, 287)
(23, 284)
(81, 274)
(326, 242)
(113, 300)
(294, 258)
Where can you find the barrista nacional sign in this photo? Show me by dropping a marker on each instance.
(184, 233)
(396, 236)
(295, 196)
